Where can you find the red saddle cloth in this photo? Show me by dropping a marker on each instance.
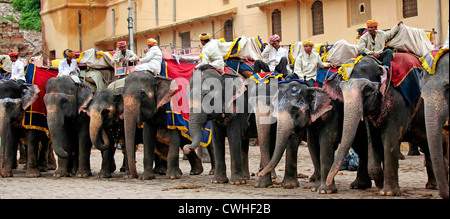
(402, 65)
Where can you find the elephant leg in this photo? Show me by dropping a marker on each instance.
(235, 142)
(85, 146)
(32, 154)
(391, 151)
(51, 160)
(219, 133)
(44, 151)
(314, 151)
(64, 167)
(149, 137)
(195, 159)
(173, 165)
(9, 156)
(244, 158)
(265, 144)
(328, 141)
(108, 164)
(210, 149)
(290, 179)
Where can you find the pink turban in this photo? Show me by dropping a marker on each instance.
(121, 43)
(274, 38)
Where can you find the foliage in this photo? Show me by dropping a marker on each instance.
(30, 18)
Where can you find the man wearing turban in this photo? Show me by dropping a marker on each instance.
(17, 69)
(374, 42)
(124, 55)
(275, 58)
(153, 58)
(211, 58)
(306, 65)
(68, 66)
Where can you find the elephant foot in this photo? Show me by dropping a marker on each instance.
(212, 171)
(147, 175)
(196, 169)
(361, 184)
(32, 173)
(237, 180)
(219, 179)
(160, 170)
(324, 189)
(104, 174)
(61, 173)
(174, 174)
(289, 183)
(390, 191)
(83, 174)
(431, 184)
(263, 182)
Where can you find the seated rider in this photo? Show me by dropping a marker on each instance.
(68, 66)
(124, 54)
(18, 68)
(211, 57)
(374, 43)
(275, 58)
(153, 58)
(306, 65)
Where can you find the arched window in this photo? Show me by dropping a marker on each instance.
(276, 22)
(409, 8)
(228, 30)
(317, 17)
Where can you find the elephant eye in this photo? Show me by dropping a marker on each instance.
(143, 94)
(64, 100)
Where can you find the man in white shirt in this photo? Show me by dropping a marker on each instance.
(124, 54)
(211, 57)
(153, 58)
(374, 42)
(306, 65)
(17, 69)
(68, 66)
(275, 58)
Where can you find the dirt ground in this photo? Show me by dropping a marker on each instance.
(412, 181)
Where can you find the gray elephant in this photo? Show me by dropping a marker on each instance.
(144, 96)
(14, 100)
(69, 125)
(435, 95)
(387, 113)
(229, 118)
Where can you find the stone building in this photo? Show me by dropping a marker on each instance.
(99, 24)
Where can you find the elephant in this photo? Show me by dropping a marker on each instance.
(144, 96)
(15, 99)
(227, 109)
(435, 96)
(388, 116)
(69, 125)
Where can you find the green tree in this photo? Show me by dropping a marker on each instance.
(29, 9)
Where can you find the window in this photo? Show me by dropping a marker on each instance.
(276, 22)
(228, 30)
(360, 12)
(185, 40)
(317, 17)
(409, 8)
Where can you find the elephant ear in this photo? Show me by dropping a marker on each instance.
(166, 88)
(320, 102)
(332, 88)
(84, 97)
(30, 94)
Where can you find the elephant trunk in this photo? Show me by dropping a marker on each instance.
(196, 123)
(435, 116)
(59, 135)
(353, 113)
(96, 131)
(131, 112)
(285, 128)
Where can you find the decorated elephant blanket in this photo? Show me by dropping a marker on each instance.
(35, 115)
(430, 60)
(405, 75)
(177, 110)
(264, 77)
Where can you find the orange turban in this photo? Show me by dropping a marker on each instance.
(13, 54)
(372, 23)
(204, 36)
(152, 42)
(308, 43)
(68, 53)
(121, 43)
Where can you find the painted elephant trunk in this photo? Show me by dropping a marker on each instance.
(196, 123)
(353, 113)
(97, 132)
(434, 116)
(131, 112)
(285, 128)
(56, 125)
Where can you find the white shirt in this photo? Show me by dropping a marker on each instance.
(64, 69)
(272, 57)
(17, 72)
(129, 55)
(367, 44)
(152, 61)
(306, 65)
(211, 55)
